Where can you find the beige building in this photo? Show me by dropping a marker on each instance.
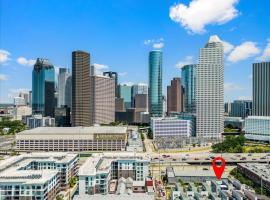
(81, 89)
(94, 138)
(102, 100)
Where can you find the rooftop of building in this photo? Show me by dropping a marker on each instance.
(259, 117)
(102, 162)
(75, 130)
(11, 168)
(168, 119)
(133, 196)
(262, 170)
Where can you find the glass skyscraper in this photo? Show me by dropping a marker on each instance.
(188, 75)
(125, 93)
(62, 78)
(43, 86)
(155, 83)
(210, 90)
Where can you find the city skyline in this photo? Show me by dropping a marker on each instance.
(136, 28)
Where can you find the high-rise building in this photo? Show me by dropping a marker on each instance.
(175, 96)
(25, 95)
(210, 90)
(114, 76)
(102, 100)
(227, 108)
(140, 88)
(241, 108)
(62, 116)
(43, 86)
(155, 84)
(81, 115)
(19, 101)
(188, 80)
(62, 79)
(68, 92)
(141, 102)
(125, 93)
(30, 98)
(261, 89)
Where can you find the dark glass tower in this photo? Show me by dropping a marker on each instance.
(43, 88)
(188, 76)
(155, 83)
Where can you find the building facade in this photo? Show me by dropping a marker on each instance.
(81, 115)
(114, 76)
(43, 87)
(175, 96)
(241, 108)
(97, 172)
(210, 90)
(62, 116)
(103, 138)
(125, 93)
(36, 175)
(155, 84)
(35, 121)
(102, 101)
(261, 89)
(62, 79)
(257, 128)
(68, 92)
(171, 127)
(140, 88)
(188, 80)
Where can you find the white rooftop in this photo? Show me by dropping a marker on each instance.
(214, 38)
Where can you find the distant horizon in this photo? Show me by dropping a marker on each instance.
(119, 36)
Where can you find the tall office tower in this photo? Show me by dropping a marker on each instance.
(62, 79)
(68, 92)
(210, 90)
(43, 88)
(114, 76)
(141, 102)
(140, 88)
(241, 108)
(102, 101)
(155, 84)
(93, 70)
(175, 96)
(125, 93)
(261, 89)
(188, 79)
(227, 108)
(81, 115)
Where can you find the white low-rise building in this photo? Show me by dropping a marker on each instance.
(99, 173)
(171, 127)
(257, 128)
(39, 175)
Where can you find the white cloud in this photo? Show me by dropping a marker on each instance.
(127, 83)
(187, 60)
(15, 92)
(23, 61)
(3, 77)
(156, 43)
(232, 87)
(122, 73)
(159, 45)
(200, 13)
(243, 51)
(4, 56)
(228, 47)
(244, 98)
(100, 68)
(266, 53)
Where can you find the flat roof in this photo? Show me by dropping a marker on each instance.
(133, 196)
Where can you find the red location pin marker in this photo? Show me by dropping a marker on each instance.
(218, 169)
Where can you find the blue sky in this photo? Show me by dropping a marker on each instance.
(120, 33)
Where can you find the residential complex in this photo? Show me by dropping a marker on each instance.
(100, 174)
(81, 115)
(43, 87)
(257, 128)
(188, 80)
(210, 90)
(36, 175)
(155, 84)
(102, 100)
(95, 138)
(261, 89)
